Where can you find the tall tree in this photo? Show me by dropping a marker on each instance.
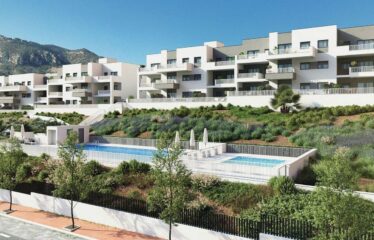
(69, 176)
(285, 99)
(170, 193)
(11, 157)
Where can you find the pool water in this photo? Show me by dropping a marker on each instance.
(125, 150)
(263, 162)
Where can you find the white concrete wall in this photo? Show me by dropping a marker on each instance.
(113, 218)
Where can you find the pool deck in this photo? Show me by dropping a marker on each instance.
(213, 165)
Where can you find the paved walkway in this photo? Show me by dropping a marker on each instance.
(88, 229)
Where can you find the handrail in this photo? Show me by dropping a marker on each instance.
(362, 46)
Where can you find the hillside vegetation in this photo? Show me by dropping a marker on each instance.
(320, 128)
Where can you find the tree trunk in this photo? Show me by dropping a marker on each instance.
(72, 213)
(10, 200)
(170, 226)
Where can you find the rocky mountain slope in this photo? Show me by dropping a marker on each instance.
(20, 56)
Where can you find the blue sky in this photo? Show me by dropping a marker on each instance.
(128, 30)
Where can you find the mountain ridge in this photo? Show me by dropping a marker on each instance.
(19, 56)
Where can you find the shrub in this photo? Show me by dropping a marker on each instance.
(93, 168)
(123, 167)
(328, 140)
(370, 124)
(203, 182)
(43, 175)
(282, 185)
(138, 167)
(134, 194)
(24, 171)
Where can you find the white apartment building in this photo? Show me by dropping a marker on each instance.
(311, 58)
(104, 82)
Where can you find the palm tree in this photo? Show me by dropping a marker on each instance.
(285, 99)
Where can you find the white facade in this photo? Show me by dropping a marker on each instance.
(312, 58)
(105, 82)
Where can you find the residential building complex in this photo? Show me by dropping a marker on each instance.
(106, 81)
(311, 58)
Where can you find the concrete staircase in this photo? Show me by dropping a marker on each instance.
(99, 115)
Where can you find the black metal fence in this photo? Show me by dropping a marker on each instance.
(248, 228)
(266, 150)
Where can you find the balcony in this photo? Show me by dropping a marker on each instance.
(40, 87)
(166, 84)
(280, 74)
(148, 71)
(109, 78)
(184, 67)
(55, 81)
(55, 94)
(251, 77)
(103, 93)
(252, 58)
(41, 100)
(229, 64)
(356, 50)
(81, 92)
(15, 88)
(83, 79)
(291, 53)
(8, 100)
(223, 83)
(361, 71)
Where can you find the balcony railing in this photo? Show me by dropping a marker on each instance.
(327, 91)
(55, 94)
(151, 69)
(41, 99)
(281, 70)
(103, 92)
(362, 69)
(361, 46)
(193, 99)
(251, 56)
(13, 88)
(250, 75)
(224, 81)
(145, 84)
(225, 63)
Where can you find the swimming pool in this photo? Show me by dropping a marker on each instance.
(255, 161)
(124, 150)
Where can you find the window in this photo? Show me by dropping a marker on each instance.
(362, 42)
(253, 52)
(83, 74)
(114, 73)
(194, 77)
(75, 74)
(171, 76)
(187, 94)
(323, 43)
(67, 75)
(26, 95)
(323, 65)
(230, 58)
(197, 61)
(284, 48)
(304, 66)
(28, 83)
(304, 45)
(171, 61)
(155, 65)
(105, 73)
(185, 60)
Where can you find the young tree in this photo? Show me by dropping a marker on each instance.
(285, 99)
(11, 157)
(69, 176)
(337, 172)
(170, 192)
